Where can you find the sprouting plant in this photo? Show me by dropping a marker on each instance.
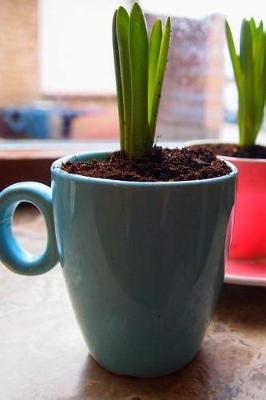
(140, 62)
(250, 76)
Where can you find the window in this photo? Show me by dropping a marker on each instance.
(75, 41)
(76, 46)
(65, 55)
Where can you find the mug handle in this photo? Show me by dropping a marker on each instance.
(11, 253)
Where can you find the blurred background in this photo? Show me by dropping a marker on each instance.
(57, 78)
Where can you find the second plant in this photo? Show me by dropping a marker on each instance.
(250, 76)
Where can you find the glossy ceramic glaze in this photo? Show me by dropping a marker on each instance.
(143, 262)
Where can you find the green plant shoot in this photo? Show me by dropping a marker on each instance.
(250, 76)
(140, 62)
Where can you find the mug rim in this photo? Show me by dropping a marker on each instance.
(56, 171)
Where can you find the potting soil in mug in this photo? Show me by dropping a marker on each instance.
(163, 164)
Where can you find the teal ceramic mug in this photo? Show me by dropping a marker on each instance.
(143, 262)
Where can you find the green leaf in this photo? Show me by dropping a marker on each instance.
(159, 77)
(247, 63)
(264, 67)
(234, 57)
(246, 48)
(138, 50)
(122, 31)
(252, 25)
(154, 52)
(259, 88)
(118, 82)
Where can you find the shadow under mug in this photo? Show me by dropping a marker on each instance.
(143, 262)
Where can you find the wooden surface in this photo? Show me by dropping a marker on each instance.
(43, 355)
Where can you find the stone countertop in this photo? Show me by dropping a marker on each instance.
(43, 355)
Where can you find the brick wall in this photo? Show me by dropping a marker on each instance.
(18, 51)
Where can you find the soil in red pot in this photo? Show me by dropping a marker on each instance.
(234, 150)
(162, 165)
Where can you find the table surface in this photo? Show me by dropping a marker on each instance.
(43, 355)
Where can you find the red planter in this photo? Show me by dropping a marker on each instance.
(249, 230)
(246, 263)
